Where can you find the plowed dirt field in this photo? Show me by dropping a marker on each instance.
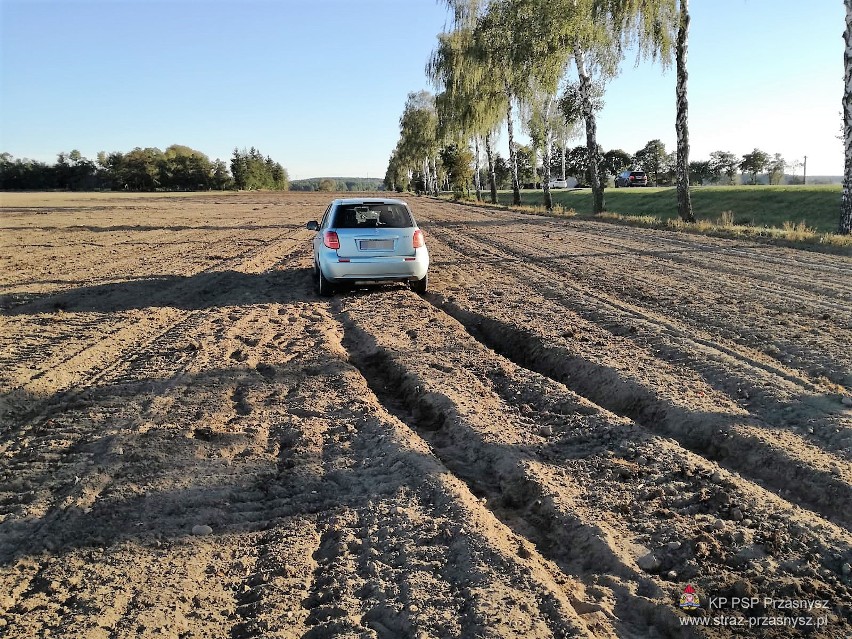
(575, 424)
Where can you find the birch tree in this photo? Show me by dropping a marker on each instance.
(684, 202)
(845, 225)
(418, 135)
(470, 106)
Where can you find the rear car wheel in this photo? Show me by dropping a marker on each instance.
(420, 286)
(323, 286)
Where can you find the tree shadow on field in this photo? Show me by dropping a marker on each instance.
(271, 472)
(200, 291)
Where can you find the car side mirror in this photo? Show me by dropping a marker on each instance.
(313, 225)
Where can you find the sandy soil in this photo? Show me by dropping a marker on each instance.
(575, 423)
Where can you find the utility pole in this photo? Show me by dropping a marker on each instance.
(805, 175)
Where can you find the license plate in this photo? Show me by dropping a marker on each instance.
(375, 245)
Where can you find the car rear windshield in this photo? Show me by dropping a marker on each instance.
(638, 174)
(361, 216)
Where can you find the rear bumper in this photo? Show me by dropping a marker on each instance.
(375, 269)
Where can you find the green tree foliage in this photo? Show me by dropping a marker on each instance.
(74, 172)
(418, 140)
(775, 169)
(578, 164)
(25, 175)
(185, 169)
(724, 163)
(754, 163)
(143, 169)
(701, 172)
(179, 167)
(654, 161)
(615, 161)
(340, 184)
(458, 163)
(398, 174)
(220, 179)
(502, 172)
(470, 104)
(252, 171)
(327, 185)
(526, 171)
(112, 170)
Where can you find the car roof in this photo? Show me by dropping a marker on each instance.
(366, 200)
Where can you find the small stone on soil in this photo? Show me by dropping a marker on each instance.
(201, 530)
(648, 563)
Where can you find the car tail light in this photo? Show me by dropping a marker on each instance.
(331, 240)
(418, 240)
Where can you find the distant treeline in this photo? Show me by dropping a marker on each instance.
(338, 184)
(178, 168)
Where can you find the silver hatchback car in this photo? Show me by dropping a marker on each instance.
(363, 241)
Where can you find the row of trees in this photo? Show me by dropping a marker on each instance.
(336, 184)
(722, 168)
(177, 168)
(504, 60)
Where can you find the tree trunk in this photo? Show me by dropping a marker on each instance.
(684, 203)
(564, 155)
(845, 226)
(434, 178)
(513, 158)
(477, 180)
(591, 130)
(545, 174)
(492, 177)
(427, 177)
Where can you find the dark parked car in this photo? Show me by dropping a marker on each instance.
(631, 178)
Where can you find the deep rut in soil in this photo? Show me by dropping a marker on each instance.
(526, 484)
(709, 435)
(203, 447)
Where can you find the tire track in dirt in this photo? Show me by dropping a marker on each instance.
(381, 565)
(717, 436)
(93, 363)
(740, 377)
(82, 452)
(525, 483)
(793, 260)
(333, 455)
(524, 248)
(151, 431)
(634, 281)
(641, 278)
(785, 262)
(466, 496)
(829, 471)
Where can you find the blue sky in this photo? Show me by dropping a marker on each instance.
(319, 85)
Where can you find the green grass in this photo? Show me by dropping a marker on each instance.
(803, 217)
(816, 207)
